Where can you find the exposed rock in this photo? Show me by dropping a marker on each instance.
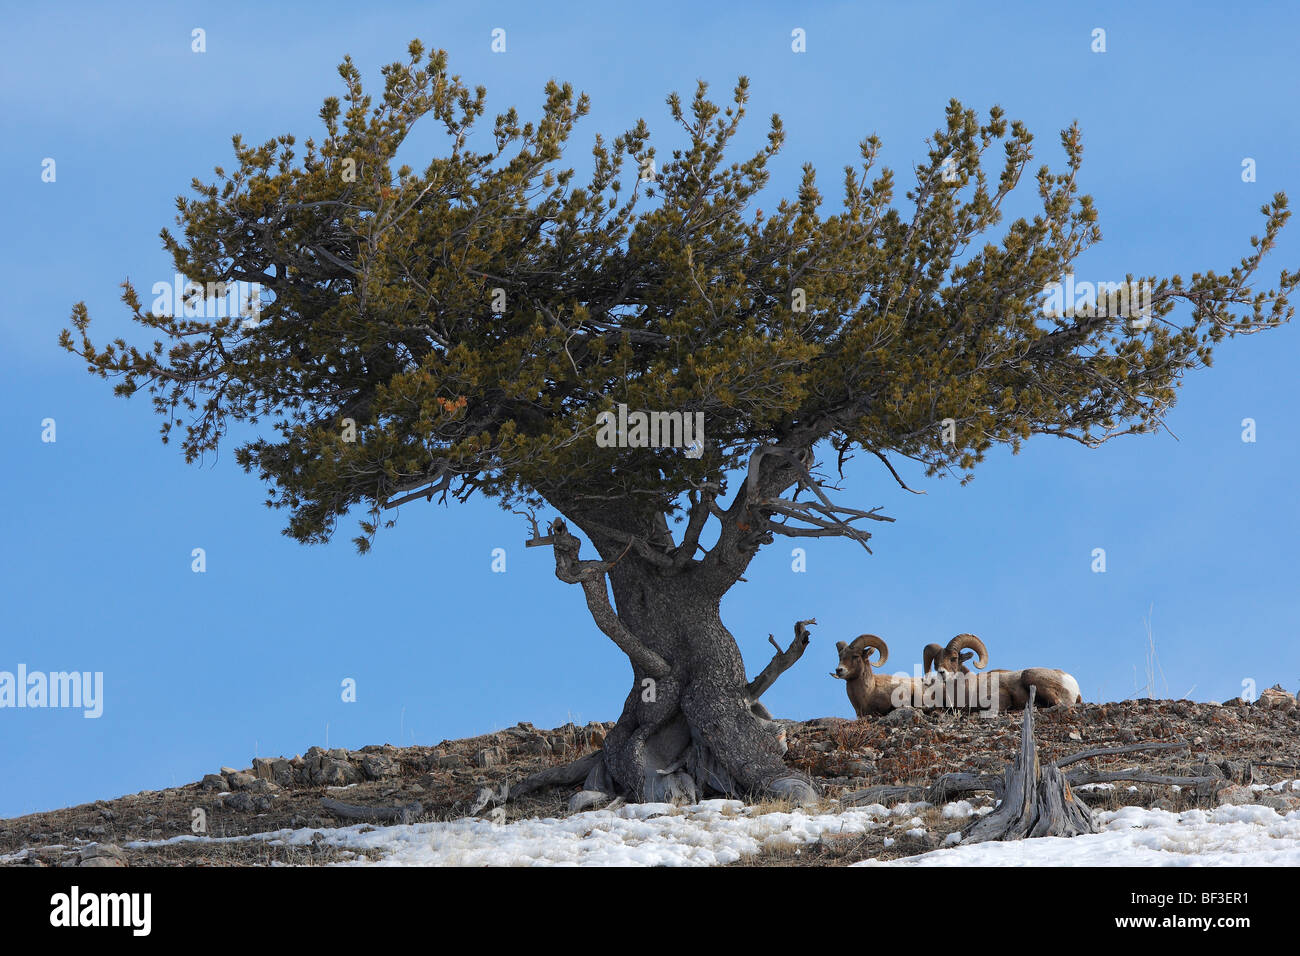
(488, 757)
(101, 854)
(47, 855)
(535, 744)
(214, 781)
(1277, 697)
(379, 766)
(238, 801)
(1236, 795)
(902, 716)
(334, 773)
(1277, 801)
(241, 781)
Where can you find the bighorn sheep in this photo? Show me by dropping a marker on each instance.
(870, 693)
(1005, 689)
(953, 658)
(1055, 686)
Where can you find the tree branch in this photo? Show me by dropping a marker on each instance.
(782, 660)
(902, 484)
(702, 505)
(591, 575)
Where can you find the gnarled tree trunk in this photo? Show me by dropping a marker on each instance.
(697, 729)
(691, 725)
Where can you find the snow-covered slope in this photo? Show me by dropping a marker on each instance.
(722, 831)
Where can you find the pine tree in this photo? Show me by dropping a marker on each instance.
(462, 330)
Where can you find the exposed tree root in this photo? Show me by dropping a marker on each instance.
(564, 775)
(662, 748)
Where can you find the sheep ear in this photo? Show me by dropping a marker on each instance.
(840, 645)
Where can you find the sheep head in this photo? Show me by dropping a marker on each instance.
(855, 658)
(953, 659)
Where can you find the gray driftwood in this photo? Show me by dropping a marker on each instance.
(1137, 776)
(349, 811)
(1036, 800)
(1112, 751)
(946, 787)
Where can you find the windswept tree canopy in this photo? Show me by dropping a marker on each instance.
(474, 318)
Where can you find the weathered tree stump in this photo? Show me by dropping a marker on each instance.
(1036, 801)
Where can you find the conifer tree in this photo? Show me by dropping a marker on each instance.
(460, 330)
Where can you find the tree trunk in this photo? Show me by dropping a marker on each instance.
(696, 730)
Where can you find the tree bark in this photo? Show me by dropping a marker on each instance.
(698, 729)
(1036, 800)
(692, 725)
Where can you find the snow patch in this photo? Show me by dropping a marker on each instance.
(958, 810)
(1133, 836)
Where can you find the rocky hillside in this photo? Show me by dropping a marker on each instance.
(1229, 748)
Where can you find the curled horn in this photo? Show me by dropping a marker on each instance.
(964, 641)
(870, 640)
(930, 655)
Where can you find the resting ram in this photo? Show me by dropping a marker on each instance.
(953, 658)
(1003, 689)
(871, 693)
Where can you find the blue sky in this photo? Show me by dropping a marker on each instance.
(247, 658)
